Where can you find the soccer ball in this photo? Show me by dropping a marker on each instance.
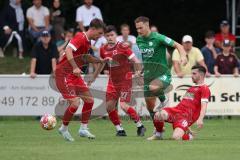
(48, 122)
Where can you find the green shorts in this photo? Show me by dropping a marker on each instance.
(165, 79)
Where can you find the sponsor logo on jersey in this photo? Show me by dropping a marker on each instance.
(147, 52)
(189, 96)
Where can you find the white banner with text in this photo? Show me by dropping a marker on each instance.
(22, 96)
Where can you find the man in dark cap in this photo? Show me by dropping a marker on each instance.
(44, 56)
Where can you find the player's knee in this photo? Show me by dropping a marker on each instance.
(123, 106)
(164, 115)
(176, 137)
(154, 88)
(89, 99)
(75, 102)
(161, 115)
(110, 108)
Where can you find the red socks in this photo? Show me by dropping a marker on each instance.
(133, 114)
(187, 137)
(68, 114)
(158, 125)
(113, 115)
(86, 112)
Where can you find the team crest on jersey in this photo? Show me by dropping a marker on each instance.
(114, 52)
(150, 43)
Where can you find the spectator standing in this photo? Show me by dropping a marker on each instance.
(86, 13)
(194, 57)
(38, 19)
(129, 39)
(57, 19)
(209, 51)
(97, 44)
(125, 35)
(44, 56)
(226, 62)
(12, 27)
(224, 35)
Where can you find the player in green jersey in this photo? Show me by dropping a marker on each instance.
(157, 77)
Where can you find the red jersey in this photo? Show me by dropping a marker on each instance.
(119, 66)
(220, 37)
(80, 45)
(191, 102)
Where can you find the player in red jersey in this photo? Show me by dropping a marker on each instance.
(69, 81)
(191, 109)
(120, 80)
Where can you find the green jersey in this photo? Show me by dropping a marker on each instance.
(153, 49)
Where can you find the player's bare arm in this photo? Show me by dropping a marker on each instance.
(137, 65)
(69, 54)
(182, 52)
(87, 58)
(138, 70)
(96, 72)
(202, 114)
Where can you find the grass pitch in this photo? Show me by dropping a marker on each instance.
(25, 140)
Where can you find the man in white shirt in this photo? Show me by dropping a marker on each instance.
(38, 18)
(96, 45)
(86, 13)
(126, 37)
(95, 51)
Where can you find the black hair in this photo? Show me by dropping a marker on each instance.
(97, 23)
(200, 69)
(209, 34)
(110, 28)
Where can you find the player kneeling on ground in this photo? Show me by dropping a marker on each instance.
(191, 109)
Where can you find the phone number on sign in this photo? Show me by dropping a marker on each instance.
(28, 101)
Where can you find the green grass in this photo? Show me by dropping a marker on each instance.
(13, 65)
(21, 140)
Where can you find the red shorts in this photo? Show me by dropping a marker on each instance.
(179, 118)
(121, 90)
(69, 85)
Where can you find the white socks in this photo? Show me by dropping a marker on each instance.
(158, 134)
(119, 127)
(84, 126)
(63, 128)
(139, 124)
